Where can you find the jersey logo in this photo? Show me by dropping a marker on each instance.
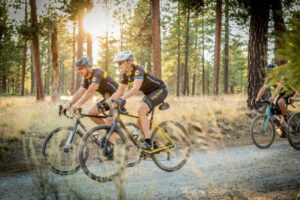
(130, 84)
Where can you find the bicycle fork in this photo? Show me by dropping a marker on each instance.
(68, 146)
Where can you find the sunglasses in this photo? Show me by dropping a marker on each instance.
(120, 63)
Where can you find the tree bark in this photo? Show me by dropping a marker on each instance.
(36, 44)
(226, 48)
(73, 76)
(89, 46)
(203, 57)
(279, 30)
(55, 90)
(23, 73)
(186, 89)
(156, 43)
(178, 53)
(32, 89)
(194, 84)
(257, 56)
(79, 43)
(216, 70)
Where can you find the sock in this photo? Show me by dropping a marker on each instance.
(148, 140)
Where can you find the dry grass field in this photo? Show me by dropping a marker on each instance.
(212, 122)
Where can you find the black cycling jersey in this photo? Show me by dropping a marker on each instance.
(150, 81)
(107, 86)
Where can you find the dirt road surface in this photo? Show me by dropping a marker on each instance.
(243, 172)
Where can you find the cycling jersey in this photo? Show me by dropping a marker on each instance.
(150, 82)
(107, 86)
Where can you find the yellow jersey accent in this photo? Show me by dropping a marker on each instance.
(105, 75)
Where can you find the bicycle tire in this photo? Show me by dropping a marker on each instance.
(178, 134)
(91, 166)
(269, 139)
(293, 132)
(58, 161)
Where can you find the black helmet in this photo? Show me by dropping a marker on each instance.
(271, 66)
(84, 62)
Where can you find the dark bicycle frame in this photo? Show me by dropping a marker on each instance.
(77, 124)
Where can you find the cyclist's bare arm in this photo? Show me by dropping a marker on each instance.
(77, 95)
(134, 90)
(277, 90)
(87, 94)
(261, 92)
(120, 91)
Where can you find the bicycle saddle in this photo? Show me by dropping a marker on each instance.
(164, 106)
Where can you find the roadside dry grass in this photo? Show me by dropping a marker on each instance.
(23, 115)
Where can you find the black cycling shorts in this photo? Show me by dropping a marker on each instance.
(285, 97)
(156, 97)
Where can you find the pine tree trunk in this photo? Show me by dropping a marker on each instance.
(54, 49)
(73, 75)
(156, 43)
(89, 46)
(216, 70)
(257, 56)
(32, 89)
(36, 44)
(203, 57)
(186, 78)
(178, 53)
(194, 85)
(23, 73)
(79, 43)
(226, 48)
(279, 29)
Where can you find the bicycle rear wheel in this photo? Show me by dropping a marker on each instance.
(262, 132)
(293, 132)
(59, 160)
(172, 158)
(102, 165)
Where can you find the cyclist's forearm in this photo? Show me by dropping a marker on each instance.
(87, 95)
(115, 96)
(76, 96)
(130, 93)
(261, 92)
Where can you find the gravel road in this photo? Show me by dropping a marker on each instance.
(244, 172)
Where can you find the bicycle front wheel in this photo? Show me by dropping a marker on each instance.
(60, 160)
(102, 165)
(294, 130)
(262, 132)
(173, 137)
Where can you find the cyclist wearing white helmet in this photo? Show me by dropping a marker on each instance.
(154, 89)
(93, 80)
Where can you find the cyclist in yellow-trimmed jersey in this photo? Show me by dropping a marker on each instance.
(135, 77)
(93, 80)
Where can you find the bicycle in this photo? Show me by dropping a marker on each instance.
(263, 137)
(61, 144)
(169, 138)
(293, 133)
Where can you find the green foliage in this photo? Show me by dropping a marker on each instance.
(290, 51)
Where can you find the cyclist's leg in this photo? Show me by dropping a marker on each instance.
(148, 103)
(94, 111)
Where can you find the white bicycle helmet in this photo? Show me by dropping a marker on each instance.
(122, 56)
